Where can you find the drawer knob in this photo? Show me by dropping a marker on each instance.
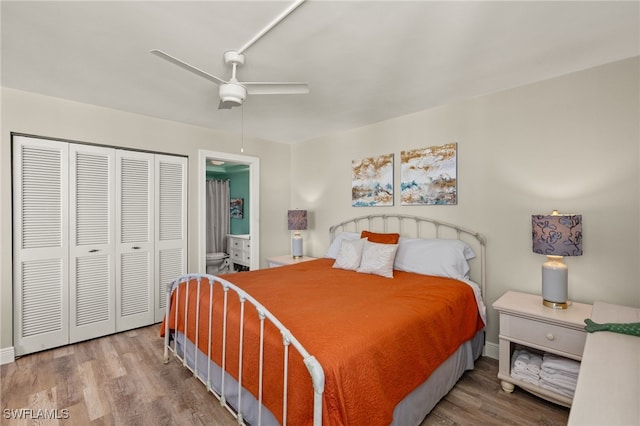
(550, 336)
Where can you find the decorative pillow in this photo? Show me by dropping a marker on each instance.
(375, 237)
(378, 259)
(336, 244)
(350, 254)
(444, 258)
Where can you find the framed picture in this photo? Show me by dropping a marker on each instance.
(237, 208)
(372, 181)
(429, 175)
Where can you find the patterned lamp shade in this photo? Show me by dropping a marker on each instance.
(297, 220)
(557, 234)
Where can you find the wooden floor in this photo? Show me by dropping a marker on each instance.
(120, 380)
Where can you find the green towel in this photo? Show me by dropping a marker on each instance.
(631, 328)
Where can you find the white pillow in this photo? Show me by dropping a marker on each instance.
(350, 254)
(378, 259)
(334, 248)
(445, 258)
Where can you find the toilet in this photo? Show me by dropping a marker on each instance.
(217, 263)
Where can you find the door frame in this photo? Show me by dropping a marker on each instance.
(254, 202)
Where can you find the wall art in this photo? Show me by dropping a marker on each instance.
(429, 175)
(236, 206)
(372, 181)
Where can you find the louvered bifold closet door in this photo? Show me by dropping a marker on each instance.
(91, 239)
(40, 244)
(171, 225)
(134, 239)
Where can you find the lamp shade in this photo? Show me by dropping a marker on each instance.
(557, 234)
(297, 220)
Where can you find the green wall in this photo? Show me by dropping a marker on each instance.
(238, 176)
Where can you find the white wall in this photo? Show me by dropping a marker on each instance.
(570, 143)
(35, 114)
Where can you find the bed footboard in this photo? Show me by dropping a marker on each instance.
(191, 321)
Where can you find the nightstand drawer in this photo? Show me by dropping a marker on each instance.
(544, 335)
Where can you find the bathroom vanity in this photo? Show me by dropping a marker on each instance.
(239, 246)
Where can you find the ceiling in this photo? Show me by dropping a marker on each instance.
(365, 61)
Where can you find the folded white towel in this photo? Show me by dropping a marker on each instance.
(535, 363)
(514, 356)
(522, 359)
(529, 378)
(519, 370)
(559, 380)
(556, 371)
(525, 373)
(557, 389)
(560, 363)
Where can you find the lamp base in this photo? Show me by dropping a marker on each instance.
(555, 305)
(554, 283)
(296, 246)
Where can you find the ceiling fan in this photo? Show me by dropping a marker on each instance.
(233, 92)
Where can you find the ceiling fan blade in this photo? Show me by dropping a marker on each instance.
(272, 24)
(186, 66)
(273, 88)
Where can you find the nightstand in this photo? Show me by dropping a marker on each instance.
(276, 261)
(526, 322)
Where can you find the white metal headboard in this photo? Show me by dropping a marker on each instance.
(421, 227)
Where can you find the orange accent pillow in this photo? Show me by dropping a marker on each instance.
(380, 238)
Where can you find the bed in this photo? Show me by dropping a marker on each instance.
(376, 332)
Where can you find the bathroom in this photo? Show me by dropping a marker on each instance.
(227, 217)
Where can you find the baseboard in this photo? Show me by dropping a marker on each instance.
(7, 355)
(492, 350)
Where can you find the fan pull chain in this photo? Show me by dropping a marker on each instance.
(241, 127)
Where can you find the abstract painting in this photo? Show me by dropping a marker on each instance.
(236, 208)
(372, 181)
(429, 175)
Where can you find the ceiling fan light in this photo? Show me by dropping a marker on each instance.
(232, 93)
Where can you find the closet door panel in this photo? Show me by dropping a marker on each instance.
(135, 239)
(171, 226)
(92, 246)
(40, 244)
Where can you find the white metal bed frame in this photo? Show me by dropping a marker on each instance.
(390, 223)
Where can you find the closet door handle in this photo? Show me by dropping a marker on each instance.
(94, 251)
(136, 248)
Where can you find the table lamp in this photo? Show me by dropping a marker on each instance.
(556, 235)
(296, 221)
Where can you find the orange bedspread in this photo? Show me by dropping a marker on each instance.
(376, 338)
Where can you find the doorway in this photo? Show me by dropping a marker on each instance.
(253, 163)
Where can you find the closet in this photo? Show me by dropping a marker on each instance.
(98, 233)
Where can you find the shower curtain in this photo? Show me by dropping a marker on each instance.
(217, 215)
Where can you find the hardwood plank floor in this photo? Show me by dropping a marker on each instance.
(121, 380)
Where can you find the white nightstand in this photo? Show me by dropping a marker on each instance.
(286, 260)
(526, 322)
